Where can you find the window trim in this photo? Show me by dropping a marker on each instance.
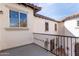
(16, 28)
(20, 11)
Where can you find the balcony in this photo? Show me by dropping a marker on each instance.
(59, 45)
(46, 45)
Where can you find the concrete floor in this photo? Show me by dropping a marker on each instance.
(27, 50)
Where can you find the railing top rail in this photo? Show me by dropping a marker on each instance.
(56, 35)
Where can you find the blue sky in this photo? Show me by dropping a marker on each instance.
(58, 10)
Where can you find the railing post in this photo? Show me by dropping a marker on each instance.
(67, 46)
(61, 45)
(71, 46)
(64, 45)
(56, 44)
(75, 46)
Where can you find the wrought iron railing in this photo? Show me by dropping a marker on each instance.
(60, 45)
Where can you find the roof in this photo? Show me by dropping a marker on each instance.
(71, 17)
(36, 9)
(45, 17)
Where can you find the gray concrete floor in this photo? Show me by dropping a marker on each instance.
(27, 50)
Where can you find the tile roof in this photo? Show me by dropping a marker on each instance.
(36, 9)
(70, 17)
(44, 17)
(31, 6)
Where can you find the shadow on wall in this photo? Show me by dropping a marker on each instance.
(68, 33)
(71, 28)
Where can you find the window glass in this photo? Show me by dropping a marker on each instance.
(23, 20)
(14, 19)
(55, 27)
(46, 26)
(18, 19)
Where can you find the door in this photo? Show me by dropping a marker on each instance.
(52, 45)
(77, 49)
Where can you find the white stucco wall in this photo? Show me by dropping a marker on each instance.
(71, 26)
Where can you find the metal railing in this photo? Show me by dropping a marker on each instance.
(60, 45)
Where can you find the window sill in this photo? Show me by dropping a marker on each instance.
(16, 28)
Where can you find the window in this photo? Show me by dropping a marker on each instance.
(78, 23)
(23, 21)
(55, 27)
(46, 26)
(18, 19)
(14, 19)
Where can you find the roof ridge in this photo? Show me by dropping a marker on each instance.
(75, 15)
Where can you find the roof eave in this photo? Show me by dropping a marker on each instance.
(36, 8)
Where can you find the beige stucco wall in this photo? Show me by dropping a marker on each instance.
(14, 37)
(39, 26)
(61, 28)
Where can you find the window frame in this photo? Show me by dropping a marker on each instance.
(10, 19)
(46, 26)
(55, 27)
(19, 11)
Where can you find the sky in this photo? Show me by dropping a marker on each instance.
(58, 10)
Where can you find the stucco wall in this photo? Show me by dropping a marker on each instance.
(14, 37)
(39, 26)
(71, 27)
(61, 29)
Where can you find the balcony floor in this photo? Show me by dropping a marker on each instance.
(27, 50)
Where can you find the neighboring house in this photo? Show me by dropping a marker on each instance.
(19, 21)
(71, 28)
(71, 25)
